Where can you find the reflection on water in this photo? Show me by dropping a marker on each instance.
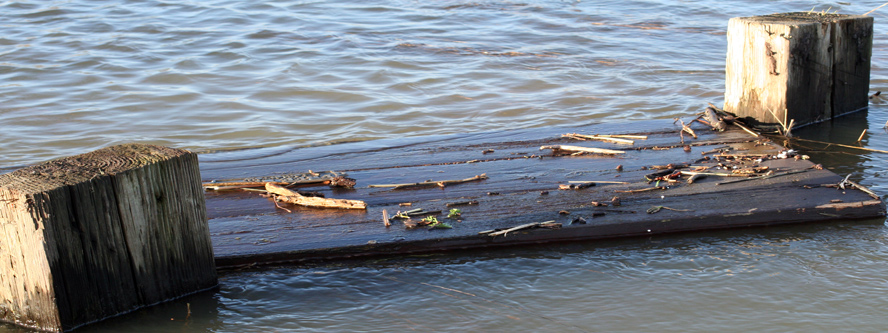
(788, 278)
(221, 76)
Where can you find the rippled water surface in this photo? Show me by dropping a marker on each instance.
(228, 75)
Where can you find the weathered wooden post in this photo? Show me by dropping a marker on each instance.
(99, 234)
(807, 67)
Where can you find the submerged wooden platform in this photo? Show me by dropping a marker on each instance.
(522, 186)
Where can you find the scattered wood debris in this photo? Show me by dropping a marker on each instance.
(750, 170)
(685, 128)
(308, 179)
(714, 120)
(663, 175)
(504, 232)
(342, 181)
(414, 212)
(283, 194)
(575, 150)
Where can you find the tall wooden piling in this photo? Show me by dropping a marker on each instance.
(99, 234)
(807, 67)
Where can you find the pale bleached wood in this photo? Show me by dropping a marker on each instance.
(597, 137)
(806, 67)
(96, 235)
(289, 196)
(583, 149)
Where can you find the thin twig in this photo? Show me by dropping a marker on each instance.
(763, 177)
(279, 206)
(642, 190)
(596, 182)
(864, 189)
(523, 226)
(874, 9)
(694, 173)
(597, 137)
(746, 129)
(841, 145)
(440, 183)
(861, 135)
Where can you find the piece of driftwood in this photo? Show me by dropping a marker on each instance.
(686, 128)
(597, 137)
(864, 189)
(695, 177)
(439, 183)
(714, 120)
(227, 186)
(559, 150)
(289, 196)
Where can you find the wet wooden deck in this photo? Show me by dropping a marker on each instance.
(523, 187)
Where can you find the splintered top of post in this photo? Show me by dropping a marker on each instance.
(79, 168)
(801, 17)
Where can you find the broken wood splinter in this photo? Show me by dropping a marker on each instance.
(597, 137)
(290, 196)
(558, 150)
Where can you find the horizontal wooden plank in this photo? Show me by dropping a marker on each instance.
(522, 186)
